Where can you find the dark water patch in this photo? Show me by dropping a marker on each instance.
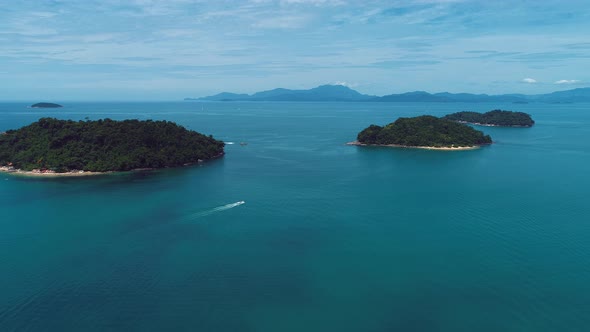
(100, 301)
(151, 217)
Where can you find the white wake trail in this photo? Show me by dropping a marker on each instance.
(214, 210)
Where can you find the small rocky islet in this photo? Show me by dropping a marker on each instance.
(46, 105)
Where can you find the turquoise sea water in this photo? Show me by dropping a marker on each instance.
(331, 237)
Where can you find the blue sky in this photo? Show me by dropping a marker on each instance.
(168, 50)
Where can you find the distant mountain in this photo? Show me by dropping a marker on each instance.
(477, 98)
(343, 93)
(224, 96)
(446, 97)
(579, 95)
(321, 93)
(413, 96)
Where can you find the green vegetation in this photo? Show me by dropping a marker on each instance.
(493, 118)
(104, 145)
(46, 105)
(423, 130)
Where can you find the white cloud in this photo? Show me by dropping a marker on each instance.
(529, 80)
(315, 2)
(282, 22)
(567, 81)
(346, 84)
(43, 14)
(28, 26)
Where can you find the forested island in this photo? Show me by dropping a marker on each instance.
(65, 146)
(493, 118)
(46, 105)
(424, 131)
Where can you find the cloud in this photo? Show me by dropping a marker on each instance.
(346, 84)
(261, 44)
(567, 82)
(282, 22)
(315, 2)
(399, 63)
(43, 14)
(577, 46)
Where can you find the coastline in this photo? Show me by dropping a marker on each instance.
(37, 173)
(491, 125)
(76, 173)
(445, 148)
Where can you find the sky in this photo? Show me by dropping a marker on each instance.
(170, 49)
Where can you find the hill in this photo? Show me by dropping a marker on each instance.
(446, 97)
(343, 93)
(224, 96)
(420, 96)
(493, 118)
(320, 93)
(104, 145)
(579, 95)
(423, 131)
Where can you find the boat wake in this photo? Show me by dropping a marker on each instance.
(211, 211)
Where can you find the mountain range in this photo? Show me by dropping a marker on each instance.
(343, 93)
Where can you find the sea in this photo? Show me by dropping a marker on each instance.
(292, 230)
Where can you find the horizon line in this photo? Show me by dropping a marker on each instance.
(249, 94)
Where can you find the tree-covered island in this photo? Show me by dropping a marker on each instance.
(423, 132)
(499, 118)
(62, 146)
(46, 105)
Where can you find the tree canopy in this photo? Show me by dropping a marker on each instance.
(46, 105)
(104, 145)
(423, 130)
(494, 118)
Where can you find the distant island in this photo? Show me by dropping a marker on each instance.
(340, 93)
(424, 131)
(51, 146)
(46, 105)
(498, 118)
(320, 93)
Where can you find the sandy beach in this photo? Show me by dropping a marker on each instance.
(454, 148)
(76, 173)
(37, 173)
